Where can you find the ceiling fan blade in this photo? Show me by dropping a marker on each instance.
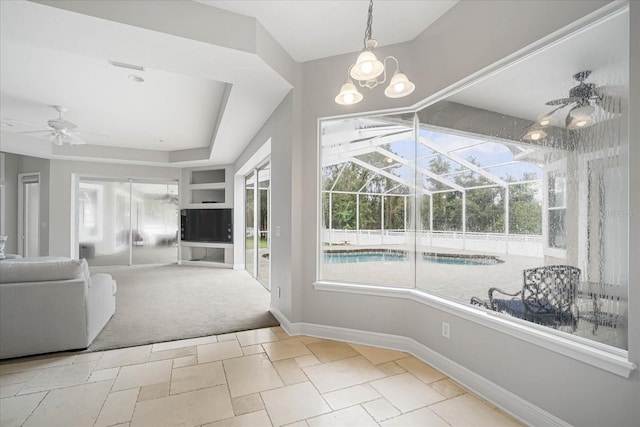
(36, 131)
(563, 101)
(21, 122)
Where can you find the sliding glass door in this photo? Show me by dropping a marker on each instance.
(257, 223)
(154, 217)
(127, 222)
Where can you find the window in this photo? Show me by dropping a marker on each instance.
(473, 192)
(557, 210)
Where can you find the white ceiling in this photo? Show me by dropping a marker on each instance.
(51, 56)
(311, 29)
(523, 88)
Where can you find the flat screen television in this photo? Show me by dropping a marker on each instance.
(206, 225)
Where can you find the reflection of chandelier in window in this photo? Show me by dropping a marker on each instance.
(368, 69)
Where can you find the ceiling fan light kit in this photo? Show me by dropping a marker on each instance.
(368, 69)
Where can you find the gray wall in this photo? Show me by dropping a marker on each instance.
(471, 36)
(11, 202)
(61, 236)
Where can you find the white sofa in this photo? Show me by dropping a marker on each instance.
(50, 304)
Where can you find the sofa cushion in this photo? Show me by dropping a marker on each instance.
(42, 269)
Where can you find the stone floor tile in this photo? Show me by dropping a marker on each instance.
(58, 377)
(293, 403)
(181, 362)
(245, 404)
(251, 374)
(190, 342)
(88, 357)
(17, 378)
(144, 374)
(256, 336)
(422, 417)
(421, 370)
(354, 416)
(468, 410)
(328, 351)
(173, 353)
(252, 349)
(118, 408)
(378, 355)
(285, 336)
(15, 410)
(11, 390)
(103, 375)
(381, 409)
(350, 396)
(71, 406)
(406, 392)
(196, 377)
(254, 419)
(302, 423)
(218, 351)
(343, 373)
(304, 361)
(37, 363)
(277, 329)
(154, 391)
(290, 372)
(447, 388)
(227, 337)
(124, 357)
(391, 368)
(310, 340)
(189, 409)
(287, 349)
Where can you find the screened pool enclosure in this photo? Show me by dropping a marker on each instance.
(523, 169)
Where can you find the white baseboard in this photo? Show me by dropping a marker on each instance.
(498, 396)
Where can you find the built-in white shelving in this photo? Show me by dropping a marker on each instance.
(209, 187)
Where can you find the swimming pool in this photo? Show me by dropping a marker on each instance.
(345, 257)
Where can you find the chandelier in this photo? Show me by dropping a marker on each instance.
(369, 72)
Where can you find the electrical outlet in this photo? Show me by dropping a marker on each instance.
(445, 330)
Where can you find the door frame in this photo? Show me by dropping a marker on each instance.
(26, 178)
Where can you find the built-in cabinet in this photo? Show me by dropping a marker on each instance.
(208, 187)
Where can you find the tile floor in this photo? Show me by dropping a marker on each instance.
(253, 378)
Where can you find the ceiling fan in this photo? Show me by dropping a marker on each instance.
(585, 99)
(60, 131)
(589, 104)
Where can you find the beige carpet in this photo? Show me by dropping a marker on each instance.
(165, 303)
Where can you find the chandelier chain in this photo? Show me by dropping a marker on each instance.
(367, 32)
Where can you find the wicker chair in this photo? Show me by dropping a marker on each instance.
(548, 297)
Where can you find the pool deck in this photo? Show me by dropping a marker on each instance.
(455, 282)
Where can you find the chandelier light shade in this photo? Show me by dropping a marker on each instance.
(368, 69)
(348, 94)
(399, 86)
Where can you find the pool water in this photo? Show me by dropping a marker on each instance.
(346, 257)
(356, 256)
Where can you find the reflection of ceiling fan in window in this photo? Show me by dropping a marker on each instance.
(585, 100)
(588, 104)
(61, 131)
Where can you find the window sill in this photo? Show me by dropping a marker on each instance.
(595, 354)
